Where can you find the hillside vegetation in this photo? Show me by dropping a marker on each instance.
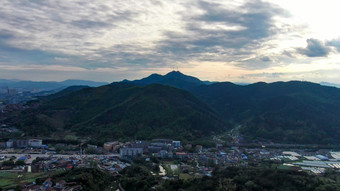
(291, 112)
(121, 110)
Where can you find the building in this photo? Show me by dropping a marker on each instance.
(163, 154)
(336, 155)
(154, 149)
(21, 143)
(92, 146)
(321, 157)
(199, 148)
(290, 153)
(181, 155)
(176, 143)
(109, 146)
(35, 143)
(165, 141)
(12, 143)
(131, 152)
(141, 144)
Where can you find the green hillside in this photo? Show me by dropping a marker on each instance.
(121, 110)
(291, 112)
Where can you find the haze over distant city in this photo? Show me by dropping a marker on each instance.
(238, 41)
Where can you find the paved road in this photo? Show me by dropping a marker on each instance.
(34, 156)
(59, 156)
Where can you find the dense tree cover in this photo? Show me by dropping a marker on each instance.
(287, 112)
(137, 178)
(290, 112)
(121, 110)
(8, 163)
(91, 179)
(256, 179)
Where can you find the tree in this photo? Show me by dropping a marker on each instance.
(20, 163)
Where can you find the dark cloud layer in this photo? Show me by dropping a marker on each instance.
(252, 23)
(315, 48)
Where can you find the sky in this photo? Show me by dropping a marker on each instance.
(217, 40)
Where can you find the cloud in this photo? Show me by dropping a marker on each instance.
(257, 63)
(221, 33)
(148, 35)
(315, 48)
(334, 43)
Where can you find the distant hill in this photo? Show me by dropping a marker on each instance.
(174, 79)
(291, 112)
(63, 92)
(330, 84)
(47, 85)
(122, 110)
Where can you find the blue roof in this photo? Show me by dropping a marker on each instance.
(23, 158)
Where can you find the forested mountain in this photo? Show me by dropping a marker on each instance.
(287, 112)
(294, 112)
(121, 110)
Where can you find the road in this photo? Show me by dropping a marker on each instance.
(34, 156)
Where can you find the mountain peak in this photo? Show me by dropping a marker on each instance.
(175, 73)
(173, 78)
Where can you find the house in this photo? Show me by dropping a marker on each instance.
(181, 155)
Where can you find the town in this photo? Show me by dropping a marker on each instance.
(176, 161)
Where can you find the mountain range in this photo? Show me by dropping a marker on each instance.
(47, 85)
(180, 106)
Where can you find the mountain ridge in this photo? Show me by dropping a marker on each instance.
(287, 112)
(122, 110)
